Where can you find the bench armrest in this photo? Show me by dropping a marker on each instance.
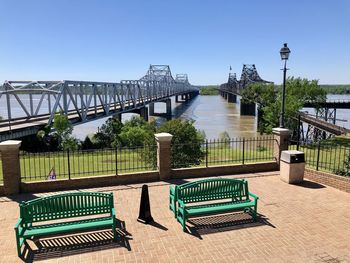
(253, 195)
(172, 189)
(18, 224)
(181, 203)
(113, 212)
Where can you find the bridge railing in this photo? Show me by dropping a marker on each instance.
(80, 98)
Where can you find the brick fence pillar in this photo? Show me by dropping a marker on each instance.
(164, 155)
(10, 166)
(281, 136)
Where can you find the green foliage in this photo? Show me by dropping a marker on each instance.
(137, 132)
(269, 100)
(209, 90)
(336, 89)
(63, 132)
(108, 134)
(61, 124)
(87, 144)
(186, 142)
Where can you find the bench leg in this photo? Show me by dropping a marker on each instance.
(114, 229)
(181, 218)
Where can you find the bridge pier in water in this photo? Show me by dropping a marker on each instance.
(186, 97)
(167, 114)
(142, 111)
(232, 98)
(248, 109)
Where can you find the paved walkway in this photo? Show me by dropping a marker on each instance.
(305, 223)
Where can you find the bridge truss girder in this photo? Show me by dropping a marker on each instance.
(81, 99)
(249, 76)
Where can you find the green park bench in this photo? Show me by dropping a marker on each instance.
(200, 198)
(63, 206)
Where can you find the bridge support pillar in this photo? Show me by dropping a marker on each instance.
(10, 166)
(248, 109)
(226, 95)
(281, 136)
(176, 98)
(142, 111)
(118, 116)
(232, 98)
(168, 108)
(151, 109)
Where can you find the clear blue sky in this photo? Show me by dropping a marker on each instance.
(114, 40)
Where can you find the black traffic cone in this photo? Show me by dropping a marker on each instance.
(145, 209)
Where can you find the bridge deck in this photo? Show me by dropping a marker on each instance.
(323, 125)
(93, 113)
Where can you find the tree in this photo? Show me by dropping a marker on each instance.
(87, 144)
(108, 134)
(186, 143)
(137, 132)
(269, 98)
(63, 131)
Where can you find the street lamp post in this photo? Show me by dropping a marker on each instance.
(284, 52)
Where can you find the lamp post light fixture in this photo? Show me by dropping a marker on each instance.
(284, 56)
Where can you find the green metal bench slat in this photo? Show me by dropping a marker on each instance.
(218, 208)
(70, 227)
(64, 206)
(215, 189)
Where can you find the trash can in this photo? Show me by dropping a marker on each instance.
(292, 166)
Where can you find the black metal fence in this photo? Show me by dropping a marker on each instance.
(223, 152)
(73, 164)
(326, 156)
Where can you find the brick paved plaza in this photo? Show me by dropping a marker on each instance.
(304, 223)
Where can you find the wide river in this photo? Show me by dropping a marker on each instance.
(213, 115)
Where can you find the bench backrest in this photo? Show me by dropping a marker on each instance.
(65, 206)
(213, 189)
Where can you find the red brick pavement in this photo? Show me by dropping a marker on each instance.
(306, 223)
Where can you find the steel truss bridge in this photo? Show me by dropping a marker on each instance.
(249, 76)
(233, 87)
(322, 125)
(30, 105)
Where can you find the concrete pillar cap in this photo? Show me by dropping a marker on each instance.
(163, 137)
(10, 144)
(281, 131)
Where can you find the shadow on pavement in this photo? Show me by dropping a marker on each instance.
(50, 248)
(224, 222)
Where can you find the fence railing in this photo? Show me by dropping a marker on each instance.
(73, 164)
(223, 152)
(326, 156)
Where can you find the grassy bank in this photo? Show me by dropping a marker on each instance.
(209, 90)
